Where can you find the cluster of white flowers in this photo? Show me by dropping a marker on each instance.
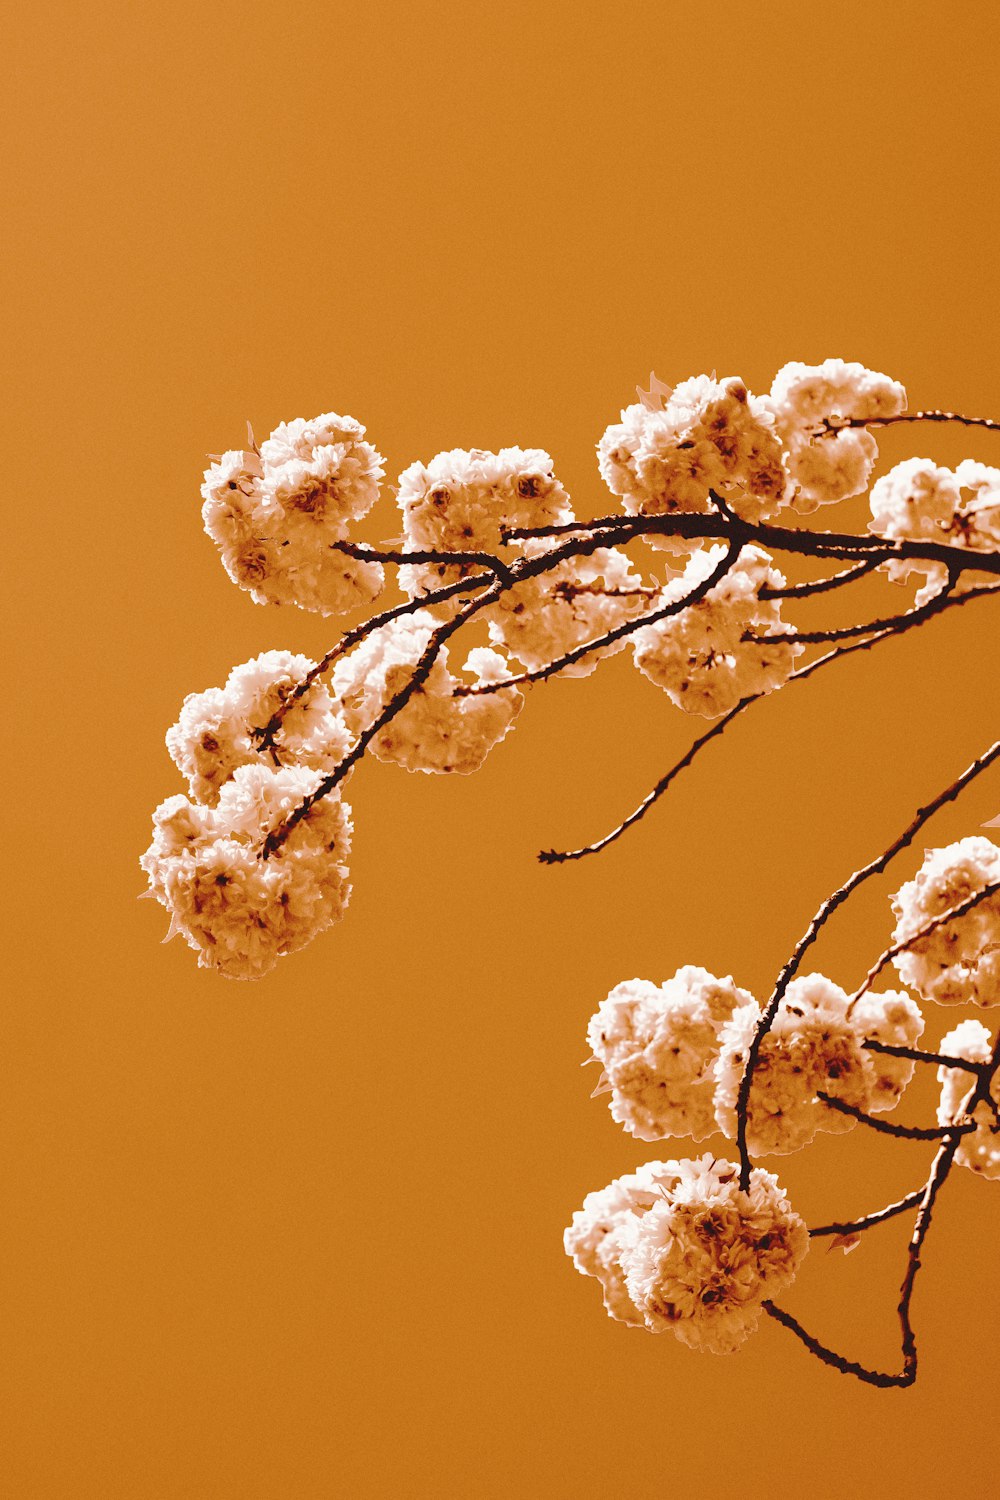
(673, 1057)
(980, 1149)
(710, 435)
(919, 500)
(274, 513)
(213, 735)
(824, 465)
(238, 911)
(461, 499)
(658, 1045)
(701, 656)
(433, 731)
(542, 619)
(678, 1247)
(815, 1045)
(761, 452)
(959, 962)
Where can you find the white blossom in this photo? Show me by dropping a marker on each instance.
(710, 435)
(459, 501)
(704, 1256)
(274, 515)
(980, 1149)
(658, 1045)
(239, 911)
(212, 736)
(959, 962)
(826, 466)
(433, 731)
(700, 656)
(811, 1047)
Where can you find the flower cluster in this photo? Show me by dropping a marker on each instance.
(434, 730)
(919, 500)
(710, 435)
(814, 1046)
(678, 1247)
(958, 963)
(214, 733)
(828, 461)
(980, 1149)
(238, 911)
(274, 514)
(461, 499)
(715, 652)
(658, 1045)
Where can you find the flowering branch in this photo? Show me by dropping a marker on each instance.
(254, 862)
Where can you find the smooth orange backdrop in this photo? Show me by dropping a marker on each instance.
(302, 1238)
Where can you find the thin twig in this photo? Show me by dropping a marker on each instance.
(890, 1127)
(821, 585)
(266, 733)
(914, 416)
(879, 1216)
(892, 623)
(917, 616)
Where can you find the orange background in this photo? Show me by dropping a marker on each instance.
(303, 1238)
